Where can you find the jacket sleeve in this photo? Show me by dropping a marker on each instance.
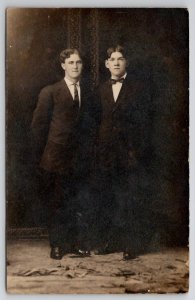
(41, 122)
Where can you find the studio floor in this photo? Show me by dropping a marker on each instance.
(31, 271)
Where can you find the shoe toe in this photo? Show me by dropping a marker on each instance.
(129, 255)
(84, 252)
(57, 253)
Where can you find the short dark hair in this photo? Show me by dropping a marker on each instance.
(66, 53)
(117, 48)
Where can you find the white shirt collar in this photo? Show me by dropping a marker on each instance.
(69, 82)
(124, 76)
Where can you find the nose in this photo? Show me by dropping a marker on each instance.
(116, 62)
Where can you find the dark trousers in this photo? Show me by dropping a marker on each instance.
(124, 199)
(69, 210)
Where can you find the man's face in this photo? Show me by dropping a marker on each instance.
(116, 64)
(73, 67)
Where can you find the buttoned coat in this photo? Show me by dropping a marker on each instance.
(62, 139)
(125, 133)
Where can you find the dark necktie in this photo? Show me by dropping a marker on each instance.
(114, 81)
(76, 98)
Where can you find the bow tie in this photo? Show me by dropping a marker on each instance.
(114, 81)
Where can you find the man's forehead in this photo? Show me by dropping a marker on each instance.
(116, 55)
(74, 56)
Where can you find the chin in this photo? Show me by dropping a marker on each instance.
(117, 74)
(75, 76)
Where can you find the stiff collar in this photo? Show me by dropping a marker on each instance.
(69, 82)
(124, 76)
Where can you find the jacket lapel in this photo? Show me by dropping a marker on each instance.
(108, 94)
(64, 92)
(126, 92)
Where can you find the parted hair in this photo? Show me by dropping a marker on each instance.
(117, 48)
(66, 53)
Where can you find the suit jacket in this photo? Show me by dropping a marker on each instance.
(126, 126)
(63, 141)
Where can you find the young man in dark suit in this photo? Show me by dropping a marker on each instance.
(124, 154)
(61, 129)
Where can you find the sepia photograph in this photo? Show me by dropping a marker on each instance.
(97, 145)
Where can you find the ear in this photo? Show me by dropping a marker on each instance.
(63, 66)
(106, 64)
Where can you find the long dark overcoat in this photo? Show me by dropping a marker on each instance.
(124, 157)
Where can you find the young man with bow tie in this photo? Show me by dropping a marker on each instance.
(123, 152)
(61, 127)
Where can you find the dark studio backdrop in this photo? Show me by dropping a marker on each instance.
(157, 42)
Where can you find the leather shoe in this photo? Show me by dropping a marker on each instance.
(128, 255)
(83, 253)
(57, 252)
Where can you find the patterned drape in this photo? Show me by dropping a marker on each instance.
(75, 31)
